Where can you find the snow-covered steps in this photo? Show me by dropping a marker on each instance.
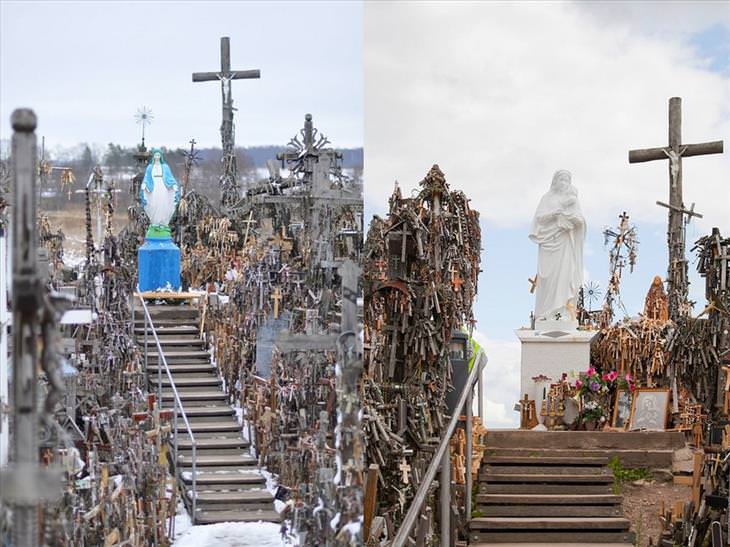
(212, 517)
(228, 484)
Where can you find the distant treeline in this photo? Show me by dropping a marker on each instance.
(119, 165)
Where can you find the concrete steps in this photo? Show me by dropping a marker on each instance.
(546, 495)
(228, 484)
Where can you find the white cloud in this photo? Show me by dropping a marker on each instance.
(501, 379)
(502, 95)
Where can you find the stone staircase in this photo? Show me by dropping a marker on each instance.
(229, 485)
(532, 492)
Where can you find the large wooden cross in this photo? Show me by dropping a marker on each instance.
(226, 75)
(674, 152)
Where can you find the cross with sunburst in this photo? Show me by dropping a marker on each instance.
(144, 118)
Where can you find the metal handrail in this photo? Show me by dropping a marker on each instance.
(177, 402)
(441, 458)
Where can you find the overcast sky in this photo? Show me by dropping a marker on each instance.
(502, 95)
(85, 68)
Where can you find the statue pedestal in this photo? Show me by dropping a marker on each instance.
(550, 350)
(158, 264)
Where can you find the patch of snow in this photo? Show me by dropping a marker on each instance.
(230, 534)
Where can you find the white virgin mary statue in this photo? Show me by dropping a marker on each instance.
(559, 228)
(159, 193)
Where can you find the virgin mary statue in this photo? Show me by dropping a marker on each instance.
(160, 192)
(558, 228)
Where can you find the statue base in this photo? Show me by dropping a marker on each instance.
(551, 349)
(158, 264)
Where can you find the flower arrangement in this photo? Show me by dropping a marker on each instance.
(595, 384)
(595, 390)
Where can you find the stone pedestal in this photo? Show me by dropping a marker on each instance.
(550, 353)
(158, 263)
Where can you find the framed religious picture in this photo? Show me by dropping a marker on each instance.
(622, 409)
(650, 409)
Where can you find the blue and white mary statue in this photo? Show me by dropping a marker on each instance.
(160, 193)
(158, 259)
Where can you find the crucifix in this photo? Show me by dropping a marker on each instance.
(674, 152)
(229, 182)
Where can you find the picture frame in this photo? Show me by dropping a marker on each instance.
(622, 406)
(649, 409)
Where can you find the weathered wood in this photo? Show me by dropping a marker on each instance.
(492, 488)
(227, 479)
(234, 75)
(651, 154)
(551, 510)
(554, 460)
(545, 478)
(550, 523)
(241, 460)
(552, 499)
(542, 537)
(369, 505)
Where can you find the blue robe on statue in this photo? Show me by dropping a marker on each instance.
(158, 259)
(159, 200)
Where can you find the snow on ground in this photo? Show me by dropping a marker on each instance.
(227, 534)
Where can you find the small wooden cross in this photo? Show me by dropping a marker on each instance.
(276, 297)
(405, 470)
(689, 212)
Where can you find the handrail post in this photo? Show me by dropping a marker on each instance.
(467, 478)
(445, 498)
(175, 437)
(195, 478)
(480, 393)
(160, 358)
(146, 370)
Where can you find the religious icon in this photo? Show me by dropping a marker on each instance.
(650, 409)
(159, 194)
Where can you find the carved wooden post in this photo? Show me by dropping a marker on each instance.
(26, 304)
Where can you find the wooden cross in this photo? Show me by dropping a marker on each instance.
(276, 297)
(674, 152)
(226, 75)
(405, 470)
(724, 258)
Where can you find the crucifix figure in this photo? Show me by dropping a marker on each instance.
(228, 181)
(674, 152)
